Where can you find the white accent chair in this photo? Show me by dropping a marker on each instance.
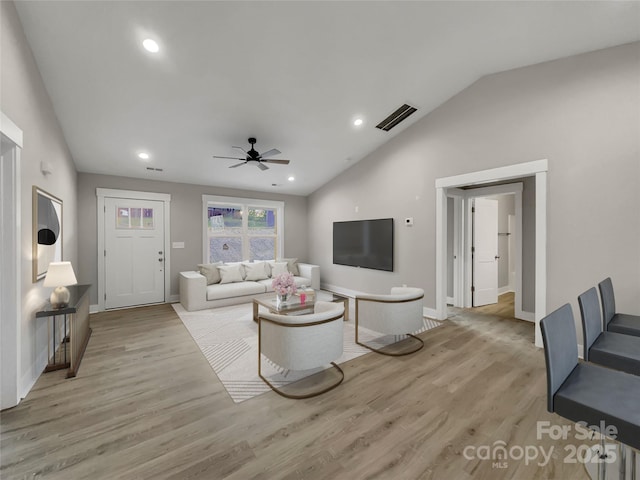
(302, 342)
(398, 313)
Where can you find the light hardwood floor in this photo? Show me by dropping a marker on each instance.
(146, 405)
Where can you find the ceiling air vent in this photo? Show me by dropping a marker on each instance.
(151, 169)
(396, 117)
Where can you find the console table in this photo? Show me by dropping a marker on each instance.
(67, 342)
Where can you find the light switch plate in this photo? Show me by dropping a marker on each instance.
(177, 244)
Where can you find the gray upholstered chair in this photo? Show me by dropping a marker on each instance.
(613, 350)
(613, 321)
(303, 342)
(585, 392)
(398, 313)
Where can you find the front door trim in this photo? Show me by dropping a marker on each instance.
(103, 193)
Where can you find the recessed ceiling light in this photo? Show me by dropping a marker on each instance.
(291, 178)
(358, 121)
(143, 155)
(151, 45)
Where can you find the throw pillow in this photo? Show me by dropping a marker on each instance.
(230, 273)
(256, 271)
(278, 268)
(292, 265)
(210, 272)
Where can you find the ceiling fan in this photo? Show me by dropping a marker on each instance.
(253, 156)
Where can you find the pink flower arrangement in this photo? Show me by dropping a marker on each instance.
(284, 284)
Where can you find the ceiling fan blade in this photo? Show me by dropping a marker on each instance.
(237, 165)
(228, 158)
(240, 148)
(271, 153)
(261, 166)
(283, 162)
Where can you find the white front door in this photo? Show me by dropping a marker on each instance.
(485, 252)
(134, 252)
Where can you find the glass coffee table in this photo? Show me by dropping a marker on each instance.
(293, 305)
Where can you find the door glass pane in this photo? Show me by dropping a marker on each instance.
(225, 249)
(134, 218)
(122, 217)
(262, 248)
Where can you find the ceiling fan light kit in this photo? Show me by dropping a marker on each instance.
(254, 156)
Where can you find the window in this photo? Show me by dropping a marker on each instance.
(237, 229)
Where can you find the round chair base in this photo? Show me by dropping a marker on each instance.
(417, 347)
(306, 395)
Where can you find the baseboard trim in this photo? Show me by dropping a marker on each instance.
(527, 316)
(94, 308)
(503, 290)
(581, 351)
(449, 300)
(173, 299)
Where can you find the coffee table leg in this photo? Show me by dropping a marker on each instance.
(255, 311)
(346, 309)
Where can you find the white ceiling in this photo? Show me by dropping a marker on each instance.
(292, 74)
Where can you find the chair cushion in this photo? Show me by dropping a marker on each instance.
(617, 351)
(623, 323)
(593, 394)
(237, 289)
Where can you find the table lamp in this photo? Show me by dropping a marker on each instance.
(59, 275)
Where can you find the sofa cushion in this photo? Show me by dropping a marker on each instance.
(256, 271)
(292, 265)
(230, 273)
(278, 268)
(302, 281)
(210, 272)
(237, 289)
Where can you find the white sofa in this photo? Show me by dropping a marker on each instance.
(195, 294)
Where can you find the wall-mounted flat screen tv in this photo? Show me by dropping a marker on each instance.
(364, 243)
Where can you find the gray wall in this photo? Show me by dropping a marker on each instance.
(25, 101)
(581, 113)
(186, 221)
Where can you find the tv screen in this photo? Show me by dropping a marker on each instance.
(364, 243)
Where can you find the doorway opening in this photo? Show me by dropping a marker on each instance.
(535, 261)
(485, 248)
(10, 264)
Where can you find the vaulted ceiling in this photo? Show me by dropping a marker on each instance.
(293, 74)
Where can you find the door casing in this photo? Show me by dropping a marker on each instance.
(537, 169)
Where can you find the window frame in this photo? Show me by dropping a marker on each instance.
(245, 204)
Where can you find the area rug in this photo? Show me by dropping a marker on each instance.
(228, 338)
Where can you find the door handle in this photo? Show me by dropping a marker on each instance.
(160, 259)
(497, 257)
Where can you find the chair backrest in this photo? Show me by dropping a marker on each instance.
(560, 349)
(608, 301)
(591, 319)
(301, 342)
(397, 313)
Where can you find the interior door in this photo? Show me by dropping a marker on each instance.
(134, 252)
(485, 252)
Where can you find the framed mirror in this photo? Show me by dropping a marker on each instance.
(47, 232)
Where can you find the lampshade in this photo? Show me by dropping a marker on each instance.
(60, 274)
